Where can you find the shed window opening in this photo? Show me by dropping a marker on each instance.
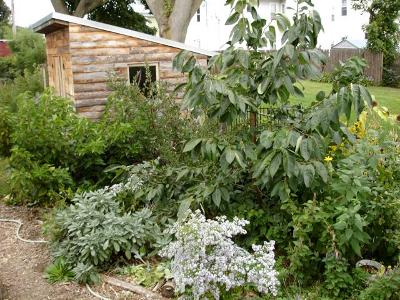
(344, 7)
(143, 77)
(198, 15)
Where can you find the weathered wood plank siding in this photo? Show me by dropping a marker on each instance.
(95, 53)
(59, 62)
(374, 59)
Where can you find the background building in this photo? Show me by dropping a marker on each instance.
(207, 29)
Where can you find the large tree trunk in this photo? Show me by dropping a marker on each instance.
(84, 7)
(173, 23)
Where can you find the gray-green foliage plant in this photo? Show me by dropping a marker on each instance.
(94, 231)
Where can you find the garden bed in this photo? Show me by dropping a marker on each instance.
(22, 264)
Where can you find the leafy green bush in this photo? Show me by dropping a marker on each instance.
(28, 50)
(347, 72)
(153, 123)
(390, 78)
(52, 149)
(384, 287)
(10, 90)
(94, 231)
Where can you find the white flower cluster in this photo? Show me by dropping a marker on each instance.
(205, 257)
(131, 184)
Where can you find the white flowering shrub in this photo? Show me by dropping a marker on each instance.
(205, 258)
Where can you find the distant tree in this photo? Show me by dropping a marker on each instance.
(77, 8)
(114, 12)
(173, 16)
(383, 30)
(28, 50)
(4, 11)
(121, 13)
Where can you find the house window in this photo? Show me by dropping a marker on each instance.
(198, 15)
(333, 18)
(283, 8)
(273, 10)
(344, 7)
(139, 75)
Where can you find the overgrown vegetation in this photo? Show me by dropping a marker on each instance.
(383, 33)
(320, 180)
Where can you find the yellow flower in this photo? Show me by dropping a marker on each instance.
(328, 158)
(334, 148)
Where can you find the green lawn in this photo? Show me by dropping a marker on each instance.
(388, 97)
(4, 187)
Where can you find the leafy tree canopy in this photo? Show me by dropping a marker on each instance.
(4, 11)
(121, 13)
(113, 12)
(383, 29)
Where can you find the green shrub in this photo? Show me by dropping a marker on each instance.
(155, 122)
(28, 50)
(385, 287)
(94, 232)
(10, 90)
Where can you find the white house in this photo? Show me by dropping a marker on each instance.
(208, 30)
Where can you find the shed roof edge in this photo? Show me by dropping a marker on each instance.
(119, 30)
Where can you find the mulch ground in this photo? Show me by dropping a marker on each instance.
(22, 264)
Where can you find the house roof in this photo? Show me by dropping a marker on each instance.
(351, 44)
(56, 21)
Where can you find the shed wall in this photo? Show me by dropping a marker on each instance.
(59, 62)
(95, 53)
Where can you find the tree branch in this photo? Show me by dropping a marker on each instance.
(60, 7)
(86, 6)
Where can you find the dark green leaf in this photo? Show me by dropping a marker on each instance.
(192, 144)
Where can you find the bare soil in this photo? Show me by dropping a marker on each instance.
(22, 264)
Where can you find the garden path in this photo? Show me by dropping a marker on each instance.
(22, 264)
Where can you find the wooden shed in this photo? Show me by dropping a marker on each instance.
(81, 54)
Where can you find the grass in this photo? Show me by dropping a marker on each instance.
(385, 96)
(4, 187)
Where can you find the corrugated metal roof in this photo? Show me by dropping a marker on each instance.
(54, 21)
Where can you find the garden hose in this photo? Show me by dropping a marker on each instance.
(31, 241)
(19, 228)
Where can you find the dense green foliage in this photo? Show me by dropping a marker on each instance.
(120, 13)
(71, 152)
(383, 33)
(116, 12)
(4, 11)
(325, 188)
(28, 51)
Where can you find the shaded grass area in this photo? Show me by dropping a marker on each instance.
(4, 186)
(385, 96)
